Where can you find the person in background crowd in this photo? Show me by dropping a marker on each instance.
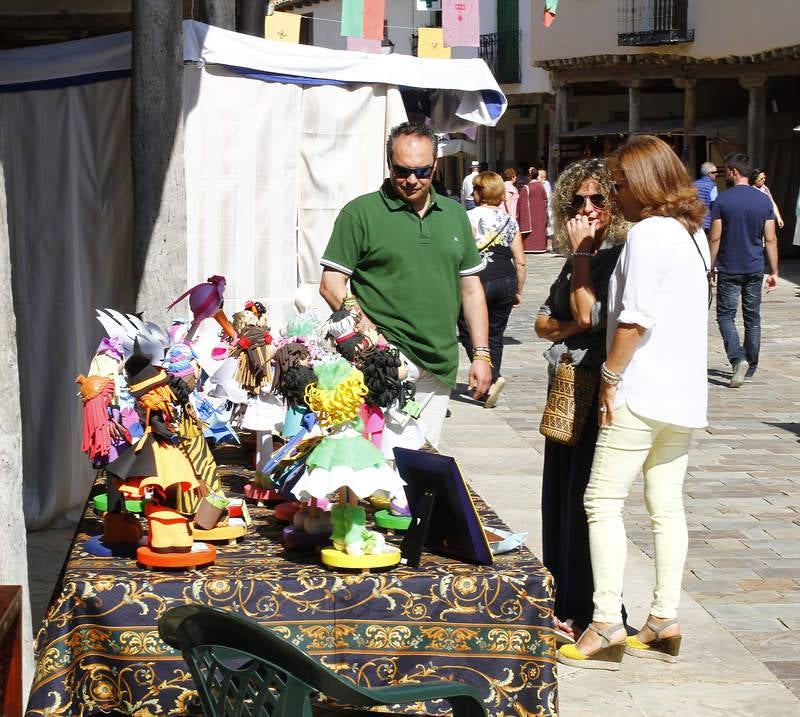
(498, 239)
(707, 190)
(403, 250)
(512, 193)
(466, 187)
(757, 179)
(532, 213)
(590, 230)
(549, 190)
(742, 227)
(653, 394)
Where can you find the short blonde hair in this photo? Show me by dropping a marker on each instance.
(490, 188)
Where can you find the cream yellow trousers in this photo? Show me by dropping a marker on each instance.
(661, 451)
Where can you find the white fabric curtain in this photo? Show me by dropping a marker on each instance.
(268, 166)
(66, 160)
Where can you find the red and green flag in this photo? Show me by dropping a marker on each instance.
(363, 18)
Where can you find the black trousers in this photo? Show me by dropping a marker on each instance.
(500, 295)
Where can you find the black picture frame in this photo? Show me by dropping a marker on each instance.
(444, 519)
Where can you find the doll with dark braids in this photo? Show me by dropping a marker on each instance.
(291, 377)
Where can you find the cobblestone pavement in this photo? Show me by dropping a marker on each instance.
(743, 486)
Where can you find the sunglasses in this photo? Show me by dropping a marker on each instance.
(598, 201)
(419, 172)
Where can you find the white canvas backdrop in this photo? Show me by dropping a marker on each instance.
(268, 166)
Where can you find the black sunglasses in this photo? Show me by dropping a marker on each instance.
(598, 201)
(419, 172)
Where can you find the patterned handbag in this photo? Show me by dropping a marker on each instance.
(569, 400)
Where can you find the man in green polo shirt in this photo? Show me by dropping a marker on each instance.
(411, 261)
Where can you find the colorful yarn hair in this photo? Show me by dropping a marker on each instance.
(97, 393)
(338, 393)
(179, 359)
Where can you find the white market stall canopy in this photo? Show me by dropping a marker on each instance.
(276, 138)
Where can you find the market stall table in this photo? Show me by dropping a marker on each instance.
(490, 626)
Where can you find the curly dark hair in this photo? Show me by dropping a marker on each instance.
(569, 182)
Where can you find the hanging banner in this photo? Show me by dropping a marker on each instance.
(282, 26)
(374, 12)
(550, 10)
(431, 43)
(363, 18)
(352, 18)
(361, 44)
(461, 23)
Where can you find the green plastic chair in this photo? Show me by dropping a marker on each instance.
(242, 669)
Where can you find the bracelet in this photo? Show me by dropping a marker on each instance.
(612, 378)
(573, 254)
(481, 348)
(481, 357)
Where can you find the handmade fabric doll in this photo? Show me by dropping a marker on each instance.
(205, 301)
(344, 460)
(342, 330)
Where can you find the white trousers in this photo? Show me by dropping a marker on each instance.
(433, 396)
(661, 451)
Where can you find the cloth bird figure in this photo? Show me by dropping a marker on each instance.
(205, 302)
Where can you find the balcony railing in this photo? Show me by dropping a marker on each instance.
(653, 22)
(500, 51)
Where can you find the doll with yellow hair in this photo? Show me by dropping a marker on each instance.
(344, 460)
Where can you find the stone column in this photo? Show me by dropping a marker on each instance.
(634, 104)
(251, 17)
(13, 538)
(491, 149)
(159, 192)
(689, 85)
(558, 126)
(756, 117)
(220, 13)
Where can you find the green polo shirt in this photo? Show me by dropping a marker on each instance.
(405, 271)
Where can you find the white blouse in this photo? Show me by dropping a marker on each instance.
(659, 283)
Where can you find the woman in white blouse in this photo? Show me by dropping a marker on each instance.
(653, 393)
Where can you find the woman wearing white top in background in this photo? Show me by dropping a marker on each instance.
(653, 393)
(758, 178)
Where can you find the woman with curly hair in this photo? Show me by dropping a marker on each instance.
(590, 230)
(653, 393)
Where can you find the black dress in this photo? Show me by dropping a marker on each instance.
(565, 532)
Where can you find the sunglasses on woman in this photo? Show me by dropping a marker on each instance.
(598, 201)
(419, 172)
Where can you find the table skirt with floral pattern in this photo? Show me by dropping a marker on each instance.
(98, 650)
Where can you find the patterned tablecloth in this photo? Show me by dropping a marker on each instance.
(98, 650)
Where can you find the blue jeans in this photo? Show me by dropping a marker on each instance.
(729, 288)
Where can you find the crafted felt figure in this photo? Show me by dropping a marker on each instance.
(97, 393)
(342, 330)
(344, 460)
(205, 301)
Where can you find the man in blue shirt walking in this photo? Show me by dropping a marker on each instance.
(742, 226)
(707, 190)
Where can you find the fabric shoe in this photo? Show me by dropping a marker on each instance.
(494, 393)
(739, 372)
